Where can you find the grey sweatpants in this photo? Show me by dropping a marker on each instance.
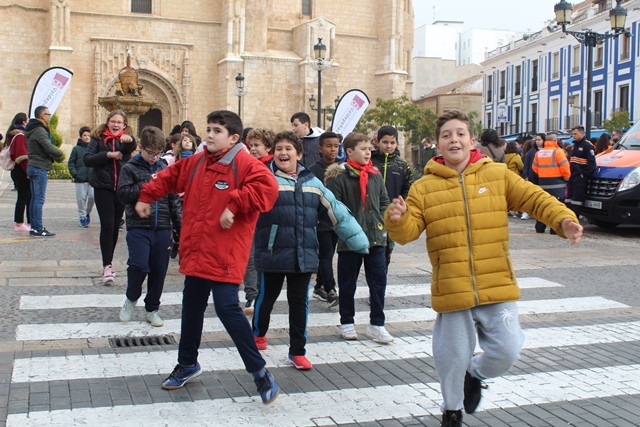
(454, 341)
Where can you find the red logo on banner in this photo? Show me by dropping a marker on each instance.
(59, 80)
(357, 102)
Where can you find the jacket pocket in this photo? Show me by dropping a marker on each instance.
(436, 276)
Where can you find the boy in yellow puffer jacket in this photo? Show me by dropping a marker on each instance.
(462, 202)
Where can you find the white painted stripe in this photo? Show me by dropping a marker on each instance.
(54, 302)
(53, 331)
(355, 405)
(223, 359)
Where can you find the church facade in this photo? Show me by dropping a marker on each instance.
(188, 53)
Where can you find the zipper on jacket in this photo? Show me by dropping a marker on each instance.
(437, 278)
(386, 163)
(466, 215)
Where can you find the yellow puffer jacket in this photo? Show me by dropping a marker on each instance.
(465, 216)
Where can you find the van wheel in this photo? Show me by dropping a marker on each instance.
(605, 224)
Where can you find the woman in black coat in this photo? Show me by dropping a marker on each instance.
(110, 147)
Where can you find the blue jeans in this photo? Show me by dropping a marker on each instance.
(225, 300)
(375, 270)
(38, 180)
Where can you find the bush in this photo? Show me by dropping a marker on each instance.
(59, 171)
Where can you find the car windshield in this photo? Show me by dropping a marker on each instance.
(631, 139)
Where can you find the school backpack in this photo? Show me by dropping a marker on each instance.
(5, 158)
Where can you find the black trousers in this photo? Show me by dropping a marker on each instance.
(23, 188)
(298, 298)
(110, 211)
(327, 241)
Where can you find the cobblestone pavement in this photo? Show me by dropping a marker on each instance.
(60, 363)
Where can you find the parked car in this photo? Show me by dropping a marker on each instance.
(613, 193)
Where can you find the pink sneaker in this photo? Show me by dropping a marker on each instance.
(108, 276)
(22, 227)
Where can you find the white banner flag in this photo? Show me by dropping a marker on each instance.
(49, 89)
(350, 109)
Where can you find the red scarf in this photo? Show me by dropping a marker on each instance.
(265, 159)
(364, 177)
(214, 157)
(108, 136)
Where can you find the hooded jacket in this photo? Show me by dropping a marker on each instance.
(466, 222)
(395, 171)
(286, 239)
(311, 147)
(166, 213)
(41, 151)
(237, 181)
(344, 183)
(77, 168)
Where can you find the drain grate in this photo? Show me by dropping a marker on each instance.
(141, 341)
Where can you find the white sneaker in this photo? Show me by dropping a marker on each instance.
(378, 334)
(524, 216)
(348, 332)
(126, 312)
(154, 318)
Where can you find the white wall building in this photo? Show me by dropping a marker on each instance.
(437, 40)
(475, 43)
(538, 82)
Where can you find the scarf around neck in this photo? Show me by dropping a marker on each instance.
(214, 157)
(108, 136)
(364, 171)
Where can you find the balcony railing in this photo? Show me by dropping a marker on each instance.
(598, 63)
(555, 75)
(575, 70)
(553, 124)
(532, 127)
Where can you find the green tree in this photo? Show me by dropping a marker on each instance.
(56, 138)
(402, 114)
(476, 123)
(619, 120)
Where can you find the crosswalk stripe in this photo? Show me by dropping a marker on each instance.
(73, 367)
(53, 302)
(357, 405)
(53, 331)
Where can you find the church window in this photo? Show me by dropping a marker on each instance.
(141, 6)
(306, 7)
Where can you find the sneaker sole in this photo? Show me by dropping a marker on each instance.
(175, 387)
(248, 311)
(318, 297)
(298, 367)
(378, 340)
(108, 282)
(273, 398)
(156, 325)
(349, 337)
(333, 303)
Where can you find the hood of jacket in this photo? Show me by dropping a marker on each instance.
(81, 143)
(315, 133)
(474, 155)
(34, 124)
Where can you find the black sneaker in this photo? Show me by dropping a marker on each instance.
(332, 298)
(472, 393)
(451, 419)
(42, 233)
(320, 294)
(249, 306)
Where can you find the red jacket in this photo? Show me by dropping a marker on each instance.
(237, 181)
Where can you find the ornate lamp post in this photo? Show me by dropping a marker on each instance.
(240, 91)
(320, 65)
(591, 39)
(323, 111)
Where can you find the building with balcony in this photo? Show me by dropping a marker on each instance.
(538, 83)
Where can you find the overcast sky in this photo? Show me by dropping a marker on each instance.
(518, 15)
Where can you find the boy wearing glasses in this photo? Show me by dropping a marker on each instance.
(148, 239)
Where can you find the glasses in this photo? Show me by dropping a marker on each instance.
(152, 153)
(46, 114)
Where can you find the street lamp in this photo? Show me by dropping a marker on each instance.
(320, 65)
(323, 111)
(617, 17)
(240, 91)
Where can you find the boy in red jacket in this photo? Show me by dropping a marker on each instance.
(225, 189)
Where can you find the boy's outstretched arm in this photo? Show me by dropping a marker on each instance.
(572, 230)
(397, 208)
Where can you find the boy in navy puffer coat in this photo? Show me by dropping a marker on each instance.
(286, 245)
(148, 239)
